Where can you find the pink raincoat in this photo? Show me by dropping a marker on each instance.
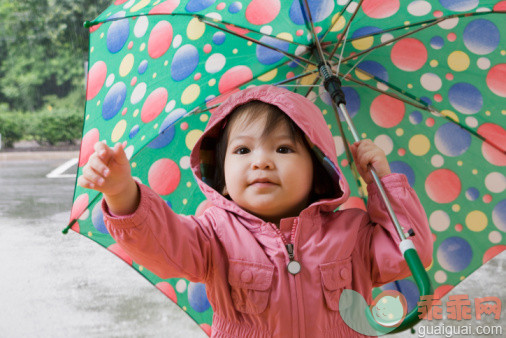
(243, 260)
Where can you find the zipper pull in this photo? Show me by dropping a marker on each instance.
(294, 266)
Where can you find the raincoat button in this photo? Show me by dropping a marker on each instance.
(344, 273)
(246, 276)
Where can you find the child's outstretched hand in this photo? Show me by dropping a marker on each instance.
(365, 152)
(108, 171)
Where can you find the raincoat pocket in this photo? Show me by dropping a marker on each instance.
(251, 285)
(336, 276)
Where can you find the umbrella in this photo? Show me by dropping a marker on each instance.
(423, 80)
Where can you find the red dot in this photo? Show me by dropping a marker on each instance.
(458, 227)
(434, 237)
(164, 176)
(134, 81)
(118, 251)
(386, 111)
(495, 79)
(487, 198)
(438, 98)
(234, 78)
(167, 290)
(438, 14)
(197, 76)
(160, 39)
(452, 37)
(380, 9)
(289, 75)
(344, 163)
(220, 6)
(130, 44)
(495, 250)
(429, 122)
(401, 151)
(260, 12)
(79, 206)
(184, 125)
(409, 54)
(449, 76)
(299, 32)
(494, 149)
(124, 111)
(165, 7)
(207, 48)
(443, 186)
(96, 79)
(87, 146)
(154, 104)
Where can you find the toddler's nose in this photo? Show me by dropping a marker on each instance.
(262, 161)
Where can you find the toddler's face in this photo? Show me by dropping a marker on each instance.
(269, 177)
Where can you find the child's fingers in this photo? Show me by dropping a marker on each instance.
(119, 154)
(92, 176)
(98, 165)
(103, 151)
(83, 182)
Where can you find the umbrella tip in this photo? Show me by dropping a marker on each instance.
(87, 24)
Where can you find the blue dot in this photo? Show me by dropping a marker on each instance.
(143, 66)
(374, 68)
(197, 297)
(219, 38)
(454, 254)
(184, 62)
(198, 5)
(135, 129)
(459, 5)
(437, 42)
(452, 140)
(466, 98)
(117, 35)
(401, 167)
(352, 102)
(408, 289)
(415, 117)
(472, 194)
(426, 100)
(365, 31)
(320, 9)
(97, 218)
(499, 215)
(165, 136)
(235, 7)
(481, 36)
(114, 100)
(268, 56)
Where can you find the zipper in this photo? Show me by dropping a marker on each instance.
(293, 266)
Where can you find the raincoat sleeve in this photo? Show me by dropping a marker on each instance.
(382, 251)
(168, 244)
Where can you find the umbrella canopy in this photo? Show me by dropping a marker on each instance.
(424, 80)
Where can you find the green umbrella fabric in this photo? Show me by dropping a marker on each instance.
(424, 80)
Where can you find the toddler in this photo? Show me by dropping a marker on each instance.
(273, 252)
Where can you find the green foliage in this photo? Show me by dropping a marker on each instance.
(11, 128)
(55, 126)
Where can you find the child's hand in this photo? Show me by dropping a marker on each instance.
(108, 171)
(365, 152)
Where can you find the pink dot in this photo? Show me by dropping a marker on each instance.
(160, 39)
(353, 202)
(438, 14)
(449, 76)
(344, 163)
(386, 111)
(430, 122)
(434, 237)
(154, 104)
(487, 198)
(451, 37)
(96, 79)
(87, 146)
(238, 30)
(260, 12)
(165, 7)
(130, 44)
(401, 151)
(409, 54)
(220, 6)
(299, 32)
(458, 227)
(95, 28)
(208, 48)
(443, 186)
(207, 328)
(134, 81)
(119, 2)
(197, 76)
(438, 98)
(234, 77)
(495, 250)
(184, 125)
(124, 111)
(167, 290)
(79, 206)
(164, 176)
(494, 150)
(118, 251)
(289, 75)
(495, 79)
(317, 30)
(380, 9)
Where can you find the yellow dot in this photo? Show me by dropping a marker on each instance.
(142, 47)
(410, 86)
(503, 52)
(285, 36)
(140, 5)
(419, 145)
(363, 43)
(195, 29)
(503, 112)
(476, 220)
(269, 75)
(462, 277)
(406, 23)
(475, 171)
(488, 113)
(249, 43)
(450, 114)
(143, 137)
(399, 132)
(338, 23)
(364, 135)
(434, 63)
(459, 163)
(141, 268)
(430, 266)
(166, 62)
(185, 201)
(456, 208)
(324, 111)
(190, 94)
(204, 117)
(188, 184)
(92, 49)
(118, 131)
(235, 51)
(98, 103)
(136, 112)
(90, 234)
(361, 75)
(87, 117)
(458, 61)
(212, 82)
(184, 307)
(126, 65)
(101, 35)
(329, 126)
(192, 138)
(134, 164)
(154, 75)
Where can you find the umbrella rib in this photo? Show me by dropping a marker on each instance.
(291, 56)
(346, 29)
(339, 15)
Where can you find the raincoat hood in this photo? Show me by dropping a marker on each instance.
(306, 115)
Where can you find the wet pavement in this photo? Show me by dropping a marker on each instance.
(53, 285)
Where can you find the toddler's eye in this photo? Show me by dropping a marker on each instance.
(241, 151)
(284, 150)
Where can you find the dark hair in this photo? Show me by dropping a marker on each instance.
(323, 186)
